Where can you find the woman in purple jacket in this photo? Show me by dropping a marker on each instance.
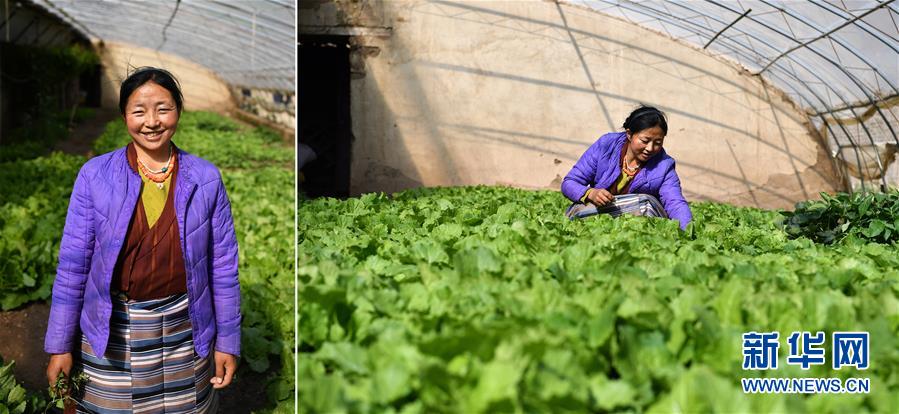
(628, 172)
(146, 300)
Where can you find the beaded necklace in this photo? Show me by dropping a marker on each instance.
(627, 170)
(164, 168)
(160, 176)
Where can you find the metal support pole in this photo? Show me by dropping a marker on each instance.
(6, 18)
(727, 27)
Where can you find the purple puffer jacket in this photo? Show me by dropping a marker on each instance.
(100, 210)
(599, 168)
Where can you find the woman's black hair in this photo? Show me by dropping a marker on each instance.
(646, 117)
(146, 74)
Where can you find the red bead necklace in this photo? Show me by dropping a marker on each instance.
(158, 177)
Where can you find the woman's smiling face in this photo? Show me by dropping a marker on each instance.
(646, 144)
(151, 117)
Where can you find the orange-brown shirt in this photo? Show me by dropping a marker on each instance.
(151, 263)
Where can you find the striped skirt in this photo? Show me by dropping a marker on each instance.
(150, 364)
(636, 204)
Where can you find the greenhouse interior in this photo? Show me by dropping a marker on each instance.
(443, 146)
(61, 66)
(790, 100)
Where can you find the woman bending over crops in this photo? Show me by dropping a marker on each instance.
(147, 269)
(628, 172)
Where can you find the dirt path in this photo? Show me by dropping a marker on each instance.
(82, 137)
(22, 333)
(22, 340)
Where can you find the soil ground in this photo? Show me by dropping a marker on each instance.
(82, 137)
(22, 340)
(23, 329)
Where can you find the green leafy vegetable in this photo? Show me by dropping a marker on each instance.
(13, 397)
(485, 299)
(32, 214)
(866, 216)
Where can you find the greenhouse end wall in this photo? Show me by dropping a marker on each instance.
(512, 93)
(202, 89)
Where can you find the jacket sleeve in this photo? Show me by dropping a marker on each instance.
(580, 178)
(224, 276)
(75, 254)
(672, 198)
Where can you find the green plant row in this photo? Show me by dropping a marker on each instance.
(32, 213)
(14, 399)
(485, 299)
(864, 216)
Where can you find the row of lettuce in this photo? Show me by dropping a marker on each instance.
(258, 173)
(487, 299)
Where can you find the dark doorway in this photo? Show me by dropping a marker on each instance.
(324, 115)
(90, 85)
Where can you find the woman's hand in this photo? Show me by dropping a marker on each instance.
(225, 367)
(600, 197)
(58, 363)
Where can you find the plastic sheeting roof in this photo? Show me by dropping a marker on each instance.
(247, 43)
(839, 60)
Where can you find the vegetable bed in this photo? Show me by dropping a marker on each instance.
(487, 299)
